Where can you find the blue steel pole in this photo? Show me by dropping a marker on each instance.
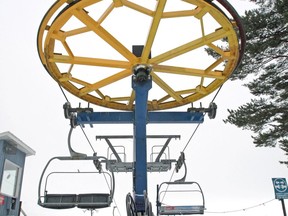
(141, 89)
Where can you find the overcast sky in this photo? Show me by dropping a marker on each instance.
(233, 174)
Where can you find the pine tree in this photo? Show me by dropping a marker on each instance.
(265, 69)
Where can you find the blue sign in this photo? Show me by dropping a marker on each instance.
(280, 188)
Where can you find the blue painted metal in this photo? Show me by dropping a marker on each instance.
(175, 117)
(140, 153)
(139, 118)
(128, 117)
(104, 118)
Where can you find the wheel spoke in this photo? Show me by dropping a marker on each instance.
(105, 35)
(118, 99)
(226, 54)
(217, 35)
(131, 100)
(188, 71)
(184, 13)
(104, 82)
(78, 81)
(67, 48)
(137, 7)
(100, 93)
(76, 31)
(165, 87)
(153, 30)
(215, 64)
(90, 61)
(106, 13)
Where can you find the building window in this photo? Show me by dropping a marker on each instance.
(10, 179)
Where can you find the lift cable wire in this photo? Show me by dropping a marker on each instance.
(87, 139)
(239, 210)
(61, 88)
(63, 93)
(198, 125)
(214, 98)
(114, 200)
(189, 140)
(192, 135)
(168, 184)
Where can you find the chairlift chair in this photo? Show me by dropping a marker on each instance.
(66, 201)
(190, 209)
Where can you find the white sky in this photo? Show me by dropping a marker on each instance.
(221, 158)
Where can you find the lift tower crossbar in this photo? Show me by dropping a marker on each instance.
(141, 84)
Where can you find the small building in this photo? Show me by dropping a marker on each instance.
(13, 153)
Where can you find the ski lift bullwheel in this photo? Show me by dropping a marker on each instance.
(89, 48)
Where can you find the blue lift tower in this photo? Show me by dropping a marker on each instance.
(85, 46)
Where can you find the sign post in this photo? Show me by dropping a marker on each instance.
(281, 191)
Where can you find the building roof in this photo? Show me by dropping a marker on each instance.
(13, 140)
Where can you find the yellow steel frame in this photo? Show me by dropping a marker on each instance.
(51, 31)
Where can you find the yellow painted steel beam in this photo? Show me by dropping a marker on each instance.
(200, 3)
(104, 82)
(90, 61)
(181, 92)
(59, 35)
(105, 35)
(188, 71)
(102, 96)
(153, 29)
(165, 87)
(217, 35)
(214, 65)
(118, 3)
(163, 99)
(85, 3)
(53, 38)
(138, 8)
(202, 12)
(186, 91)
(118, 99)
(43, 27)
(78, 81)
(76, 31)
(107, 12)
(184, 13)
(216, 49)
(131, 100)
(67, 48)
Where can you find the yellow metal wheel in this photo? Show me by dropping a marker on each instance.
(86, 46)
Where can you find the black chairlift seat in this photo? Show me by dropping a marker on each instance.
(83, 201)
(93, 201)
(180, 209)
(59, 201)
